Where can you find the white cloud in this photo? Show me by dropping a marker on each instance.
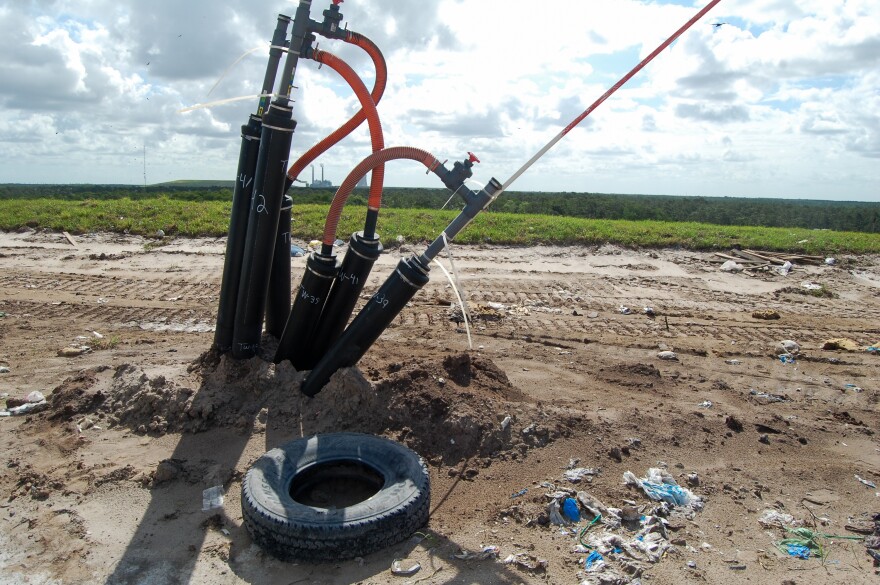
(780, 101)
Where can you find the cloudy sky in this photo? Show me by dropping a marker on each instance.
(781, 101)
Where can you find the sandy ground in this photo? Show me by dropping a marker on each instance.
(105, 486)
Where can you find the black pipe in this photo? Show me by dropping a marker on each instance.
(356, 266)
(241, 196)
(235, 241)
(294, 345)
(278, 298)
(279, 40)
(409, 277)
(277, 133)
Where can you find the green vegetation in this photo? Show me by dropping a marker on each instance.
(730, 211)
(211, 218)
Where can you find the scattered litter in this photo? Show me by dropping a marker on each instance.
(624, 310)
(594, 562)
(660, 485)
(296, 251)
(649, 311)
(853, 387)
(790, 346)
(4, 370)
(212, 498)
(520, 493)
(554, 515)
(830, 261)
(570, 510)
(528, 562)
(787, 358)
(36, 396)
(577, 474)
(314, 245)
(811, 286)
(776, 519)
(706, 404)
(691, 565)
(497, 306)
(870, 484)
(487, 552)
(405, 567)
(338, 243)
(732, 362)
(731, 266)
(225, 531)
(668, 355)
(841, 343)
(874, 348)
(97, 335)
(767, 397)
(505, 423)
(29, 408)
(785, 268)
(160, 233)
(798, 551)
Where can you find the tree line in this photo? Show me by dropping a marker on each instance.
(811, 214)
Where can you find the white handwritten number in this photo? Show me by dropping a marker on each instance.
(261, 208)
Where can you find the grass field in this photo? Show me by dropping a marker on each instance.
(211, 218)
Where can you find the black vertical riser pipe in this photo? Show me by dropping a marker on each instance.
(308, 303)
(278, 298)
(235, 241)
(356, 266)
(265, 210)
(241, 196)
(380, 311)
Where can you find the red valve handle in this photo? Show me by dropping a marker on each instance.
(338, 2)
(472, 157)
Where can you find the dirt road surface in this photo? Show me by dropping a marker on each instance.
(106, 484)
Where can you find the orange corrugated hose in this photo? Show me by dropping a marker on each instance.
(378, 90)
(373, 161)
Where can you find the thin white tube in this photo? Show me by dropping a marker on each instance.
(460, 302)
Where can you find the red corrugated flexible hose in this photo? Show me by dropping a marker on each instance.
(375, 160)
(378, 90)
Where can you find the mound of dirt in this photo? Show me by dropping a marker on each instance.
(448, 409)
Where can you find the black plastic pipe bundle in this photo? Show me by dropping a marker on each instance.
(242, 194)
(267, 201)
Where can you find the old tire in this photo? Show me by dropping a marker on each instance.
(310, 499)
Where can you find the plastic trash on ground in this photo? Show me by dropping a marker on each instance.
(731, 266)
(212, 498)
(668, 355)
(776, 519)
(790, 346)
(578, 474)
(296, 251)
(487, 552)
(661, 486)
(570, 510)
(867, 483)
(405, 567)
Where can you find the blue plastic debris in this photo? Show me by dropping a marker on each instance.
(521, 492)
(593, 559)
(296, 251)
(570, 510)
(798, 551)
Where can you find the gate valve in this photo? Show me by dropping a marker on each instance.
(332, 18)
